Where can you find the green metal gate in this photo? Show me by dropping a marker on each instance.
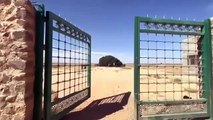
(67, 66)
(172, 69)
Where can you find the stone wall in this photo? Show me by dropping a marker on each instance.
(17, 37)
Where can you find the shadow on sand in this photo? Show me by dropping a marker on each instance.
(100, 108)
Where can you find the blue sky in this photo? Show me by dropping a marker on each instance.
(111, 22)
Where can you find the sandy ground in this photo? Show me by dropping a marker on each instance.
(112, 95)
(107, 83)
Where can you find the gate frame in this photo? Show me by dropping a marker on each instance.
(39, 43)
(46, 36)
(206, 63)
(48, 68)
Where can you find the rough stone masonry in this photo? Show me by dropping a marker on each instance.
(17, 59)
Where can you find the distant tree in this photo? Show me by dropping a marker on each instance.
(110, 61)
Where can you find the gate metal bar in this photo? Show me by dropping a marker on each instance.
(48, 68)
(205, 32)
(207, 66)
(137, 66)
(37, 115)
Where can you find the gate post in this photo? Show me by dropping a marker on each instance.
(211, 92)
(17, 59)
(48, 68)
(137, 66)
(89, 68)
(39, 63)
(207, 66)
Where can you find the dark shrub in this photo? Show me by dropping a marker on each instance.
(110, 61)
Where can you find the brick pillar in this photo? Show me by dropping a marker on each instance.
(17, 59)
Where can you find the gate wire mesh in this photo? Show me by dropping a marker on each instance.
(170, 69)
(70, 61)
(67, 67)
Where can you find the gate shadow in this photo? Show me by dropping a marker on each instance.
(100, 108)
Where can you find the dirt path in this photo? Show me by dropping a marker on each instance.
(112, 96)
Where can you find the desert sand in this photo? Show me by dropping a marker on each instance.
(112, 95)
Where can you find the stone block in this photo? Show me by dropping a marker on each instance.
(20, 86)
(4, 78)
(2, 53)
(9, 109)
(17, 34)
(5, 89)
(2, 60)
(2, 98)
(11, 98)
(17, 64)
(20, 2)
(19, 77)
(2, 104)
(20, 108)
(5, 117)
(20, 97)
(18, 117)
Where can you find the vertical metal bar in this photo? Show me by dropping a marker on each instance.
(137, 66)
(37, 115)
(48, 67)
(89, 66)
(207, 66)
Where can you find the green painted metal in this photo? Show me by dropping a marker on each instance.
(71, 107)
(206, 49)
(170, 21)
(89, 67)
(176, 102)
(207, 67)
(137, 65)
(57, 26)
(194, 115)
(37, 112)
(48, 68)
(169, 32)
